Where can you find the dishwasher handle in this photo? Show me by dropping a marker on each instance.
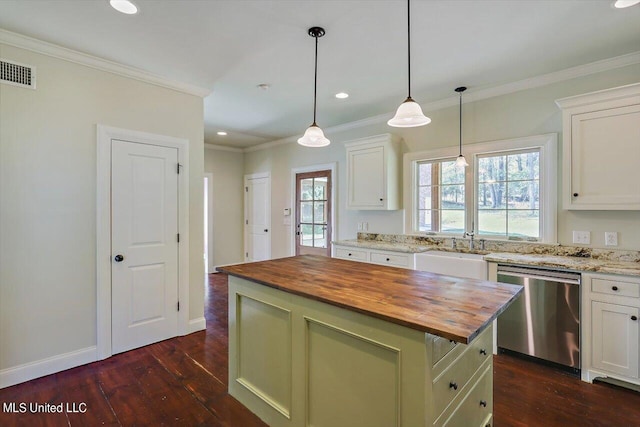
(540, 274)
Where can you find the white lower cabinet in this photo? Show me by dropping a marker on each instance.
(611, 327)
(375, 256)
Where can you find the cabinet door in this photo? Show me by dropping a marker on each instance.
(605, 154)
(615, 338)
(367, 178)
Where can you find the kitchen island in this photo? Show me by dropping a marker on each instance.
(328, 343)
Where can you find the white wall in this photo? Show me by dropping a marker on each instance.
(48, 197)
(226, 231)
(523, 113)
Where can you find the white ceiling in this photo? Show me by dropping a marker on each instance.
(230, 46)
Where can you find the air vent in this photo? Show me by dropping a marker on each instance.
(17, 74)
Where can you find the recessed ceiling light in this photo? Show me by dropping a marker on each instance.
(263, 86)
(342, 95)
(124, 6)
(621, 4)
(222, 133)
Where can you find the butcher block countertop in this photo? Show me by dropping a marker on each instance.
(454, 308)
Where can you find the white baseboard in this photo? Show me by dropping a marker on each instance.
(196, 325)
(40, 368)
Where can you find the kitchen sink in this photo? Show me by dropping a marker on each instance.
(459, 264)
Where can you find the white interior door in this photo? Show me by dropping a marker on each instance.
(257, 218)
(144, 242)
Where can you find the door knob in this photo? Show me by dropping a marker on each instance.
(266, 230)
(118, 258)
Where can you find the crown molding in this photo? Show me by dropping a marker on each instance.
(486, 93)
(56, 51)
(222, 148)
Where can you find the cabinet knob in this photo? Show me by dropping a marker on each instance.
(634, 318)
(266, 230)
(118, 258)
(388, 259)
(575, 194)
(615, 288)
(349, 254)
(483, 351)
(453, 385)
(483, 403)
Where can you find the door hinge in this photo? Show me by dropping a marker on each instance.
(246, 254)
(178, 168)
(178, 305)
(246, 221)
(178, 237)
(246, 189)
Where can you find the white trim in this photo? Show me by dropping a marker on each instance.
(631, 92)
(548, 145)
(50, 365)
(480, 94)
(196, 325)
(222, 148)
(257, 175)
(56, 51)
(333, 167)
(103, 227)
(209, 236)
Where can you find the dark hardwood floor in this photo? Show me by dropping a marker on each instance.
(183, 381)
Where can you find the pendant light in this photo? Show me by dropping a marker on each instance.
(409, 113)
(313, 136)
(461, 161)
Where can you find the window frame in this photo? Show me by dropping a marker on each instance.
(547, 144)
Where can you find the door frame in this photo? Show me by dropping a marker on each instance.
(103, 227)
(248, 177)
(210, 265)
(334, 179)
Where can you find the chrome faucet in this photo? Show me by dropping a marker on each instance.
(471, 235)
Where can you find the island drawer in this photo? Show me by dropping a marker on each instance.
(398, 260)
(615, 287)
(441, 347)
(476, 408)
(453, 380)
(352, 254)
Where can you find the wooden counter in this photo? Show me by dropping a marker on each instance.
(453, 308)
(316, 341)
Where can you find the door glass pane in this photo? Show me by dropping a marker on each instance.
(306, 189)
(320, 240)
(320, 187)
(319, 212)
(306, 211)
(306, 235)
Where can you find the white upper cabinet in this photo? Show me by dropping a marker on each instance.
(373, 173)
(601, 149)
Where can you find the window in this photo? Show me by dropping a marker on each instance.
(507, 192)
(440, 197)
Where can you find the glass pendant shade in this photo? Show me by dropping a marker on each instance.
(461, 161)
(408, 115)
(313, 137)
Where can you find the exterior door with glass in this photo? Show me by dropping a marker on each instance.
(313, 213)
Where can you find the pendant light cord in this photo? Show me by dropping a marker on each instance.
(315, 83)
(409, 47)
(461, 123)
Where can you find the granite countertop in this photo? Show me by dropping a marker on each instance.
(567, 262)
(385, 246)
(451, 307)
(567, 258)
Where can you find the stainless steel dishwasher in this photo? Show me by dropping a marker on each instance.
(544, 322)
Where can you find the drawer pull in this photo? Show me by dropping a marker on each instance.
(615, 288)
(388, 259)
(575, 194)
(483, 403)
(483, 351)
(487, 425)
(453, 385)
(349, 254)
(634, 318)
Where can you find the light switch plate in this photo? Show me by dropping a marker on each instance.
(582, 237)
(611, 238)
